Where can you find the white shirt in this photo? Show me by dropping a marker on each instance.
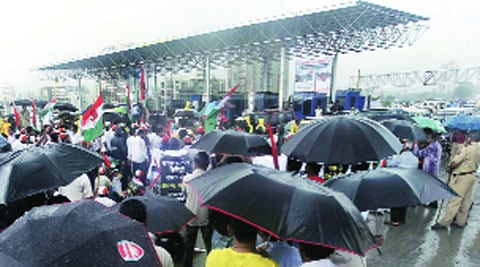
(155, 140)
(76, 138)
(17, 145)
(319, 263)
(192, 203)
(163, 255)
(79, 189)
(137, 149)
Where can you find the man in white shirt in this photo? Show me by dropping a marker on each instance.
(137, 154)
(78, 189)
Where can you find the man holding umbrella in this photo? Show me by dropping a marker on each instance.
(201, 162)
(463, 169)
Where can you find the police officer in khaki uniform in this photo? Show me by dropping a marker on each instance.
(463, 169)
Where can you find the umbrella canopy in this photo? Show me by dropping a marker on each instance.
(187, 113)
(390, 187)
(342, 140)
(38, 169)
(405, 130)
(425, 122)
(464, 123)
(22, 102)
(83, 233)
(65, 107)
(40, 103)
(233, 142)
(164, 214)
(284, 205)
(6, 260)
(381, 117)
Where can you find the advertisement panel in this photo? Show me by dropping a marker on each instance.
(313, 75)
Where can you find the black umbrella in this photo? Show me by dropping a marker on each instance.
(405, 130)
(65, 107)
(390, 187)
(286, 206)
(38, 169)
(164, 214)
(233, 142)
(82, 233)
(342, 140)
(6, 260)
(22, 102)
(40, 103)
(381, 117)
(187, 113)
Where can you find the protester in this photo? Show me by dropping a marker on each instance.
(137, 154)
(315, 256)
(201, 163)
(243, 252)
(406, 159)
(312, 170)
(78, 189)
(280, 251)
(430, 155)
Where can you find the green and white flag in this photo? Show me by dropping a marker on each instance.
(47, 112)
(92, 120)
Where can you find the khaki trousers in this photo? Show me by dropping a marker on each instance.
(459, 206)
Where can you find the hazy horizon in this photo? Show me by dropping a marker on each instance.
(52, 31)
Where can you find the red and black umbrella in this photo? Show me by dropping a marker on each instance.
(286, 206)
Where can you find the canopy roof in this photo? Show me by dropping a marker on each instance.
(351, 27)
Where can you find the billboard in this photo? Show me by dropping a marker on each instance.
(313, 75)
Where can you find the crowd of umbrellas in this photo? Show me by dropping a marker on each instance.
(282, 204)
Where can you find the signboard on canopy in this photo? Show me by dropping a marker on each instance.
(313, 75)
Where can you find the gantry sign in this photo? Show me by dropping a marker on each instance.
(350, 27)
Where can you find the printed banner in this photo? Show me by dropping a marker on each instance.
(313, 75)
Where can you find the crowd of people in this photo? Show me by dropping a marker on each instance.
(128, 149)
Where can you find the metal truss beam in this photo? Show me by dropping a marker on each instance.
(429, 77)
(353, 27)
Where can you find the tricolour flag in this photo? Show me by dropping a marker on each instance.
(47, 112)
(215, 113)
(92, 120)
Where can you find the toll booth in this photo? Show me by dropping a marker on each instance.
(349, 99)
(197, 102)
(236, 105)
(264, 100)
(305, 103)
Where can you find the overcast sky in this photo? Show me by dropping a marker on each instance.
(41, 32)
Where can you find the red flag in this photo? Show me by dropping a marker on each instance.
(17, 116)
(274, 146)
(34, 113)
(106, 160)
(142, 84)
(223, 103)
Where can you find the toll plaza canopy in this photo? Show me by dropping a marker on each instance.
(345, 28)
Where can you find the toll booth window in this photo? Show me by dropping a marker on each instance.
(307, 107)
(297, 104)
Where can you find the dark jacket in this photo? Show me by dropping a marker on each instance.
(119, 145)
